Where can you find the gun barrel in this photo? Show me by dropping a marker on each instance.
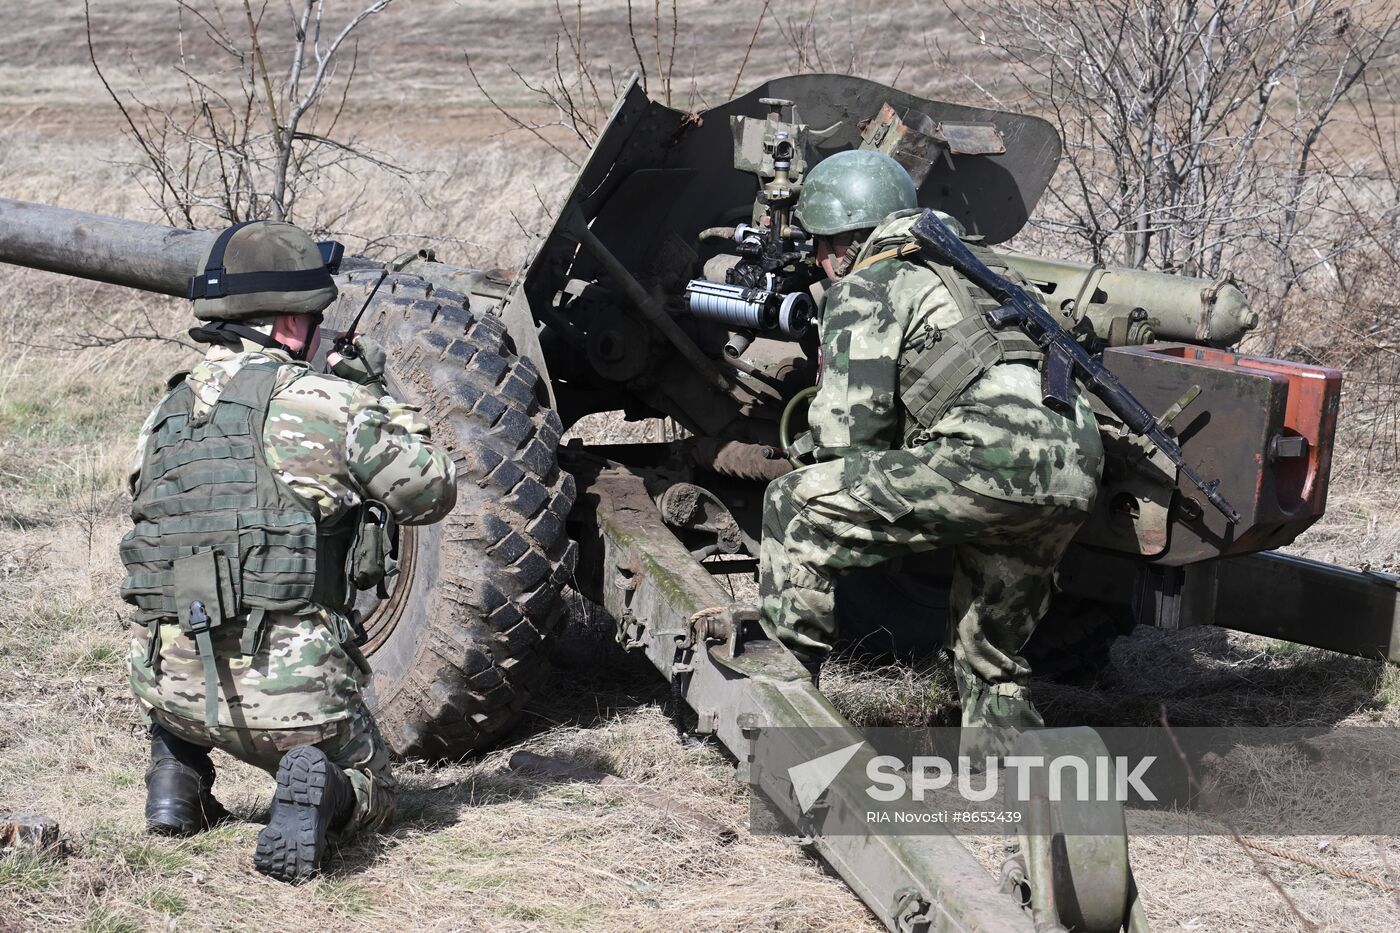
(1178, 307)
(151, 257)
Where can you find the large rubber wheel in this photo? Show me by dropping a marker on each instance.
(457, 648)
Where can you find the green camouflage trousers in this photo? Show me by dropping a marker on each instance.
(868, 508)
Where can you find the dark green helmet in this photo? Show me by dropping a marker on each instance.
(853, 190)
(260, 269)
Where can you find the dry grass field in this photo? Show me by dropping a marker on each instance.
(478, 847)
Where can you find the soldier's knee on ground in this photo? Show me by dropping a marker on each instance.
(313, 800)
(360, 751)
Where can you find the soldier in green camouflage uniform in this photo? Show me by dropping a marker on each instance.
(295, 680)
(995, 476)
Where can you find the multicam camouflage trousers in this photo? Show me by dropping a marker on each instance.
(823, 520)
(302, 687)
(353, 744)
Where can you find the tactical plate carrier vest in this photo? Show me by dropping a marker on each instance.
(938, 365)
(218, 535)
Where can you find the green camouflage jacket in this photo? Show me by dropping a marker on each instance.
(334, 443)
(997, 439)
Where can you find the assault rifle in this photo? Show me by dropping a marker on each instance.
(1065, 359)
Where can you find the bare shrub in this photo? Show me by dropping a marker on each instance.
(1210, 136)
(850, 39)
(579, 88)
(1231, 139)
(249, 139)
(568, 100)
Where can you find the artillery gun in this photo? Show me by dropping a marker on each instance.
(673, 284)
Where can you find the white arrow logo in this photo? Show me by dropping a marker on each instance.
(811, 778)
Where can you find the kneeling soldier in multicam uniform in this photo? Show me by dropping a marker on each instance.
(930, 433)
(254, 483)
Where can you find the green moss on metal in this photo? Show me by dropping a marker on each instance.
(677, 589)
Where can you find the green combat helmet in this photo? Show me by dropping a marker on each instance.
(853, 190)
(260, 269)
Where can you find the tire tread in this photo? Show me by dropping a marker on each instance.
(480, 657)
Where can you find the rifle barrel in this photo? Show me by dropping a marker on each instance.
(945, 246)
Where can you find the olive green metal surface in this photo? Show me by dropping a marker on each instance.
(653, 586)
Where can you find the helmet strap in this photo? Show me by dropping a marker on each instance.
(848, 259)
(230, 332)
(216, 282)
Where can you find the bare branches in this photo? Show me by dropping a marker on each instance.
(855, 31)
(748, 50)
(251, 137)
(1210, 135)
(1195, 130)
(570, 116)
(157, 163)
(115, 330)
(571, 89)
(636, 50)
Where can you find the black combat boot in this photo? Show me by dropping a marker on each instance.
(178, 783)
(313, 797)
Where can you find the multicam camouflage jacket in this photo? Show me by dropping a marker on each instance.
(334, 443)
(997, 439)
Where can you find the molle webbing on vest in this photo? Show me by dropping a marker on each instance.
(933, 378)
(205, 486)
(936, 367)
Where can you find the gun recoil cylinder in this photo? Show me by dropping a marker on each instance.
(739, 307)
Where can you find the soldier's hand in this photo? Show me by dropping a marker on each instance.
(366, 367)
